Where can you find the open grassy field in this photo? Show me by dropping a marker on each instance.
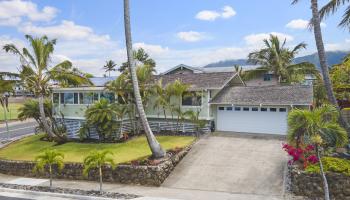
(13, 114)
(136, 148)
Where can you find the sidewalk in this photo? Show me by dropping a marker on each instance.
(148, 193)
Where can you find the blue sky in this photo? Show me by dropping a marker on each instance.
(193, 32)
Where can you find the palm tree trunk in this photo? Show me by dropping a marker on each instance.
(325, 182)
(6, 122)
(157, 151)
(43, 117)
(50, 172)
(323, 60)
(100, 173)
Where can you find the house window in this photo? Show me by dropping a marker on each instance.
(255, 109)
(245, 108)
(68, 98)
(85, 98)
(221, 108)
(109, 96)
(62, 98)
(273, 109)
(76, 98)
(96, 97)
(229, 108)
(56, 98)
(191, 99)
(267, 77)
(237, 108)
(263, 109)
(283, 110)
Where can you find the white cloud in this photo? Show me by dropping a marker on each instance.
(191, 36)
(13, 21)
(67, 30)
(228, 12)
(19, 9)
(300, 24)
(207, 15)
(257, 39)
(152, 50)
(343, 46)
(212, 15)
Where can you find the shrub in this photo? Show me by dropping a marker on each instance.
(331, 164)
(303, 155)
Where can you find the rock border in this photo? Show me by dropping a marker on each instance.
(151, 175)
(310, 184)
(91, 193)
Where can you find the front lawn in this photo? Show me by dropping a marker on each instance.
(137, 148)
(13, 113)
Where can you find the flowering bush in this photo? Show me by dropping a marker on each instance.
(303, 155)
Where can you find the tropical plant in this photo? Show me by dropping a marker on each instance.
(332, 6)
(30, 110)
(319, 127)
(96, 160)
(141, 57)
(276, 58)
(109, 66)
(316, 24)
(47, 160)
(194, 118)
(36, 72)
(157, 150)
(340, 76)
(102, 115)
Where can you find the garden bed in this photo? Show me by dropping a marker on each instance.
(134, 170)
(309, 184)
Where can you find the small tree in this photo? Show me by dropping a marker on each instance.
(320, 127)
(5, 87)
(194, 118)
(46, 161)
(97, 159)
(110, 66)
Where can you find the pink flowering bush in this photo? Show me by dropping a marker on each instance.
(303, 155)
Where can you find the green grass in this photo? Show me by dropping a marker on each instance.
(28, 148)
(13, 114)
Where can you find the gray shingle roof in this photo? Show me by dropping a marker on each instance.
(265, 95)
(199, 81)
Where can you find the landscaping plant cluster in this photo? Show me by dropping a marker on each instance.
(305, 155)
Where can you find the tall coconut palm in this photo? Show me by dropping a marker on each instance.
(321, 127)
(109, 66)
(157, 150)
(332, 6)
(316, 24)
(36, 72)
(275, 57)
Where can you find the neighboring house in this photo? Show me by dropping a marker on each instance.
(222, 98)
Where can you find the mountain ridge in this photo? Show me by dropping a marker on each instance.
(333, 57)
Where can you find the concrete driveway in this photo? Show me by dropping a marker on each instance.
(240, 165)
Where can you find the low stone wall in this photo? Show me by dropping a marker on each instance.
(311, 185)
(143, 175)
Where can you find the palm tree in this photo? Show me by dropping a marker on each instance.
(47, 160)
(109, 66)
(6, 87)
(97, 159)
(332, 6)
(102, 115)
(141, 57)
(36, 72)
(321, 127)
(157, 150)
(316, 24)
(275, 57)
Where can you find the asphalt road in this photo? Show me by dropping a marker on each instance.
(11, 198)
(17, 129)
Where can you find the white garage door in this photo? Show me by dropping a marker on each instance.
(269, 120)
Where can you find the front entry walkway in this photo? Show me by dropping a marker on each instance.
(240, 165)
